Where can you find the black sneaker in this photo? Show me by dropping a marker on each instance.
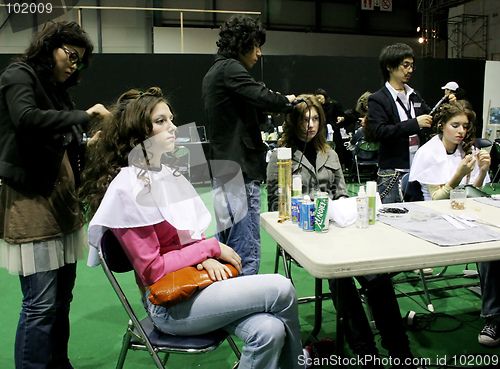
(320, 350)
(489, 336)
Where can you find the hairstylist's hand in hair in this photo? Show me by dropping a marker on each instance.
(424, 121)
(94, 138)
(290, 98)
(98, 110)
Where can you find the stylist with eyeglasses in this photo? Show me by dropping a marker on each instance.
(42, 153)
(399, 118)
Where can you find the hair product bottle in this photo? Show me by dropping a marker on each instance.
(284, 182)
(371, 192)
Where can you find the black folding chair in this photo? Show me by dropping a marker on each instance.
(495, 163)
(365, 155)
(142, 334)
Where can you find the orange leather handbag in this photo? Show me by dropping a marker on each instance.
(180, 285)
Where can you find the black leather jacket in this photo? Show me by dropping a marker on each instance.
(35, 130)
(232, 99)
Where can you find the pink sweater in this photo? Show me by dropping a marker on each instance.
(156, 250)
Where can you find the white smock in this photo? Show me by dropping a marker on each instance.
(138, 198)
(432, 165)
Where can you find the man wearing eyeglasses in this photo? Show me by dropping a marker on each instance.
(399, 117)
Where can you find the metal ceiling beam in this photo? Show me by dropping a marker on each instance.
(437, 5)
(436, 26)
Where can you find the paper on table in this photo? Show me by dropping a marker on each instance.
(430, 225)
(488, 201)
(453, 222)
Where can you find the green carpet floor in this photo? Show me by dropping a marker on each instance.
(449, 336)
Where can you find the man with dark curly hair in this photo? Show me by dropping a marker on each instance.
(233, 99)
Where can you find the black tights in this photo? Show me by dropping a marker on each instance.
(381, 298)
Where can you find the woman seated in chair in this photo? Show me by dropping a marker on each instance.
(320, 169)
(159, 220)
(312, 157)
(362, 135)
(363, 132)
(363, 145)
(449, 160)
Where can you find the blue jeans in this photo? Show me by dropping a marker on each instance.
(43, 329)
(237, 209)
(489, 273)
(259, 309)
(384, 177)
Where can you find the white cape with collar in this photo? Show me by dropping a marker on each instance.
(138, 198)
(432, 165)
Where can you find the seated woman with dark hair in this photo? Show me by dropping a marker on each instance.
(320, 170)
(363, 132)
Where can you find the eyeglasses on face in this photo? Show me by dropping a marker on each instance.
(73, 58)
(408, 65)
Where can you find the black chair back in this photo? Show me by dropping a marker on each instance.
(411, 191)
(482, 143)
(113, 253)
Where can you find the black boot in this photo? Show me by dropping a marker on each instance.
(385, 309)
(357, 331)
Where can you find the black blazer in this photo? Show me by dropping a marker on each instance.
(390, 131)
(33, 124)
(232, 100)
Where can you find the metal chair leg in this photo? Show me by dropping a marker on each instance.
(165, 358)
(125, 345)
(285, 264)
(277, 260)
(494, 177)
(235, 349)
(426, 291)
(357, 169)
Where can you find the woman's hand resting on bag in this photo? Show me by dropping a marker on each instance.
(218, 271)
(229, 255)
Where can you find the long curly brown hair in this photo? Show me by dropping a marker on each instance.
(129, 126)
(453, 108)
(294, 120)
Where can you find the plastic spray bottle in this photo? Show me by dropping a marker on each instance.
(362, 206)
